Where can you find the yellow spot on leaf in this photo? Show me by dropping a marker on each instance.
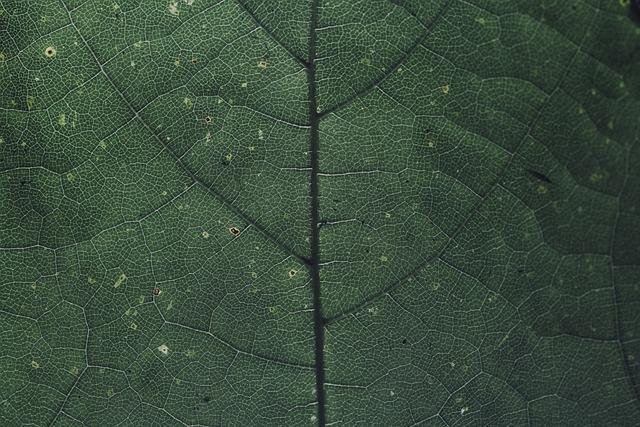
(62, 119)
(205, 235)
(34, 364)
(263, 64)
(445, 89)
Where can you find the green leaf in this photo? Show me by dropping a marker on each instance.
(281, 212)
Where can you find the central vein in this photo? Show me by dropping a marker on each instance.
(314, 142)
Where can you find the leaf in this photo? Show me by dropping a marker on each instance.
(282, 212)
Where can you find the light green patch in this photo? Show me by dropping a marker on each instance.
(120, 280)
(31, 102)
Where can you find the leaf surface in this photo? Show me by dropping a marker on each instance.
(277, 212)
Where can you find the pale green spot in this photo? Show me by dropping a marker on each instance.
(62, 119)
(596, 177)
(120, 280)
(31, 101)
(34, 364)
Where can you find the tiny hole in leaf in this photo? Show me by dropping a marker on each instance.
(50, 52)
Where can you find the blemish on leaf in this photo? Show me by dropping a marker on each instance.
(234, 231)
(188, 102)
(205, 235)
(445, 89)
(164, 349)
(263, 64)
(120, 280)
(173, 8)
(62, 119)
(34, 364)
(31, 101)
(155, 292)
(384, 258)
(272, 310)
(208, 119)
(133, 326)
(244, 84)
(50, 51)
(596, 177)
(540, 176)
(74, 371)
(292, 273)
(110, 392)
(260, 134)
(71, 177)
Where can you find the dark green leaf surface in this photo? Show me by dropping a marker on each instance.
(283, 212)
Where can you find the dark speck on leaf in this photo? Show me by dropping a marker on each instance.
(206, 399)
(540, 176)
(404, 341)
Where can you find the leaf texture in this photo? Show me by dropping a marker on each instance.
(281, 212)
